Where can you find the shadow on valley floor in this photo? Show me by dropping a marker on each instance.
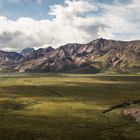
(63, 127)
(72, 89)
(59, 75)
(109, 94)
(34, 75)
(121, 78)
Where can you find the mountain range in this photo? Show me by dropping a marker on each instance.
(100, 55)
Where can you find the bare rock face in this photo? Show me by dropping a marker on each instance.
(98, 55)
(134, 113)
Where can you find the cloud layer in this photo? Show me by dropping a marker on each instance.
(74, 21)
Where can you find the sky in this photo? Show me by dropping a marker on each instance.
(43, 23)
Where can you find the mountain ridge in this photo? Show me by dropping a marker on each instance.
(96, 56)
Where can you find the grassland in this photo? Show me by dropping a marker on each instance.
(66, 107)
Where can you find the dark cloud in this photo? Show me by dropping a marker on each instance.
(16, 41)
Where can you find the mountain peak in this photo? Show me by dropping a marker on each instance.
(49, 48)
(26, 51)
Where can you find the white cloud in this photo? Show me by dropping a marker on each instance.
(74, 21)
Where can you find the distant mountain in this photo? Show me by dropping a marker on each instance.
(9, 57)
(38, 53)
(27, 51)
(8, 60)
(97, 56)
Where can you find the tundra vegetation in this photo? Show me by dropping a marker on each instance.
(68, 107)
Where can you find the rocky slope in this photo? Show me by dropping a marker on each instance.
(96, 56)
